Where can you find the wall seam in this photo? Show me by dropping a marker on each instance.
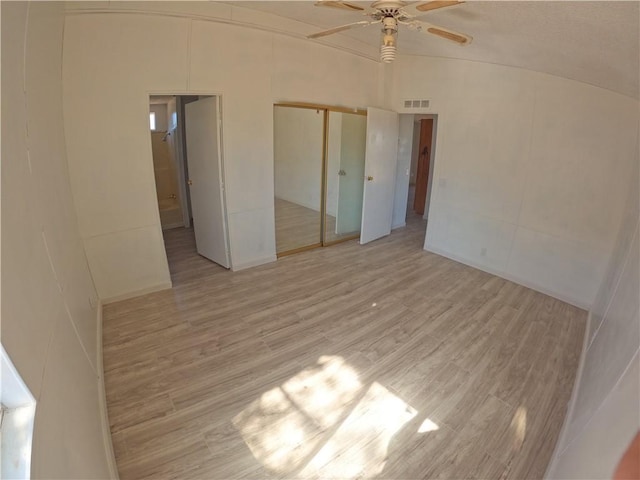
(525, 182)
(189, 62)
(93, 363)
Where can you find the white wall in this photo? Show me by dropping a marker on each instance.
(298, 146)
(117, 60)
(528, 166)
(49, 304)
(606, 415)
(403, 170)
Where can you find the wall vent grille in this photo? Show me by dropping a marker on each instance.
(419, 103)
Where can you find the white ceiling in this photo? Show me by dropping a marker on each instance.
(593, 42)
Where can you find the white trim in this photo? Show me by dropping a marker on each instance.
(400, 225)
(169, 226)
(507, 276)
(102, 402)
(137, 293)
(253, 263)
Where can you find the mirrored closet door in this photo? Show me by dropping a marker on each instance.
(298, 154)
(319, 155)
(346, 142)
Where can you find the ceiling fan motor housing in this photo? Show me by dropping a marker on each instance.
(389, 39)
(390, 13)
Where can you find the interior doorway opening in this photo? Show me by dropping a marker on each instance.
(186, 145)
(416, 161)
(421, 170)
(422, 160)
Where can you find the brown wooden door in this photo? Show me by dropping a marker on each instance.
(424, 162)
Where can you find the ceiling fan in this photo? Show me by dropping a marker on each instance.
(390, 14)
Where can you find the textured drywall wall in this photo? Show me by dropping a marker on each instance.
(530, 171)
(117, 60)
(49, 303)
(605, 416)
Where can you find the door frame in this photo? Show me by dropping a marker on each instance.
(184, 161)
(429, 138)
(432, 158)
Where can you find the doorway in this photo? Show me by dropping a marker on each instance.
(186, 141)
(421, 169)
(423, 163)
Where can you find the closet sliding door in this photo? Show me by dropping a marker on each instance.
(319, 165)
(346, 147)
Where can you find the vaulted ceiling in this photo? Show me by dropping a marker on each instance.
(593, 42)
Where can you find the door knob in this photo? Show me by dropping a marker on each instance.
(369, 178)
(189, 182)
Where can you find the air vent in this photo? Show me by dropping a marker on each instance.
(416, 103)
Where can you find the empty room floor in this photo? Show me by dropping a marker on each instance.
(296, 226)
(350, 361)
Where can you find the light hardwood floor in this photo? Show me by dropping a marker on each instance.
(298, 226)
(350, 361)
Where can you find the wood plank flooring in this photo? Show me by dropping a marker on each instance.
(296, 226)
(375, 361)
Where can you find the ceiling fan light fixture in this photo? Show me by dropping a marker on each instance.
(389, 44)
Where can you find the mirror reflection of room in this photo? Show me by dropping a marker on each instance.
(346, 145)
(298, 152)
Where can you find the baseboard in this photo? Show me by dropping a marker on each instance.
(172, 225)
(137, 293)
(400, 225)
(507, 276)
(102, 401)
(253, 263)
(564, 431)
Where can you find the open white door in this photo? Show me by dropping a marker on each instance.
(379, 174)
(206, 181)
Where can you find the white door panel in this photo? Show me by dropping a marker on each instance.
(380, 174)
(206, 182)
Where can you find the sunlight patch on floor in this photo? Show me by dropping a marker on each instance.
(323, 422)
(519, 427)
(428, 426)
(359, 447)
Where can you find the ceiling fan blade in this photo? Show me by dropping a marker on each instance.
(434, 5)
(457, 37)
(341, 5)
(324, 33)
